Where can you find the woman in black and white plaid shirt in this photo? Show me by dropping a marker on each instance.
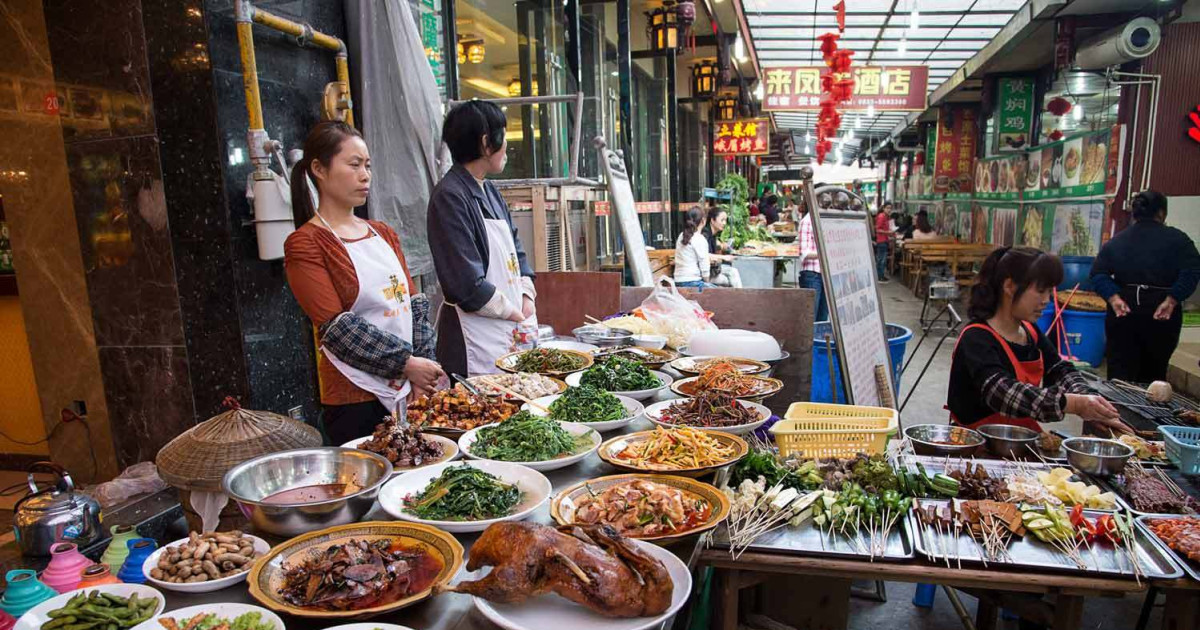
(1005, 370)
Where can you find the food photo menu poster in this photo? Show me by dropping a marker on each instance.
(849, 263)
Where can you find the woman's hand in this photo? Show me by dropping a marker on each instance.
(1166, 309)
(1098, 410)
(423, 375)
(1120, 307)
(528, 308)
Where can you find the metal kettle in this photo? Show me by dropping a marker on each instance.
(55, 514)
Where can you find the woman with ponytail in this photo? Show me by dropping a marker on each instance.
(1004, 370)
(350, 277)
(691, 252)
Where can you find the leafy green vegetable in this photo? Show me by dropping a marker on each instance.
(875, 474)
(764, 463)
(464, 493)
(524, 437)
(737, 226)
(587, 404)
(245, 621)
(548, 360)
(617, 374)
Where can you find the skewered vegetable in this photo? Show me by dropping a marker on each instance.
(763, 463)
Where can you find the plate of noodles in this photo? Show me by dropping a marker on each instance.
(727, 377)
(697, 365)
(681, 451)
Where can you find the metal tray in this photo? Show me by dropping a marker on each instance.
(1060, 457)
(1108, 484)
(1029, 552)
(807, 540)
(1192, 568)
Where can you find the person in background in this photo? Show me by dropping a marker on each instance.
(924, 231)
(726, 276)
(905, 226)
(810, 263)
(691, 252)
(350, 278)
(479, 259)
(1145, 272)
(883, 237)
(770, 209)
(893, 221)
(1004, 370)
(752, 206)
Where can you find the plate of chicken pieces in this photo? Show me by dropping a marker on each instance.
(582, 577)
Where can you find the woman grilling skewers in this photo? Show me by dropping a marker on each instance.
(1004, 370)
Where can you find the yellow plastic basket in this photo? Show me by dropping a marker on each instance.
(812, 430)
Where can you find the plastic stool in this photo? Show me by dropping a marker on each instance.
(923, 598)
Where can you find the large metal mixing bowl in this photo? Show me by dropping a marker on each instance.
(1010, 441)
(252, 481)
(943, 439)
(1096, 456)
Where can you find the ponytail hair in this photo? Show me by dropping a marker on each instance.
(323, 143)
(691, 222)
(1025, 266)
(1147, 204)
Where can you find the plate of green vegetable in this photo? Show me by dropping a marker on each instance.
(591, 406)
(547, 361)
(135, 603)
(462, 497)
(232, 616)
(531, 440)
(622, 376)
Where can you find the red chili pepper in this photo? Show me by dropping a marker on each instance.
(1077, 515)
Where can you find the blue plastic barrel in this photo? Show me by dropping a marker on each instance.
(1085, 332)
(1076, 269)
(1047, 318)
(898, 337)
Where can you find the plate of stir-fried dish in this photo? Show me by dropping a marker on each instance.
(676, 450)
(646, 507)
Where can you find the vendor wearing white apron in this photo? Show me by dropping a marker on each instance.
(350, 278)
(481, 265)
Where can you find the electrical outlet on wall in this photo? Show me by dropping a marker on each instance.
(297, 413)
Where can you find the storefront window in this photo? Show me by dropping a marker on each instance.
(428, 17)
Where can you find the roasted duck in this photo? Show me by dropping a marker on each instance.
(590, 565)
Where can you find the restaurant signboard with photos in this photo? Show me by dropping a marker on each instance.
(1083, 165)
(884, 88)
(751, 136)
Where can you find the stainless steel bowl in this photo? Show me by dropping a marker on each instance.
(603, 336)
(252, 481)
(1096, 456)
(928, 439)
(1010, 441)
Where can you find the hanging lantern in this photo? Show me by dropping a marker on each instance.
(1058, 106)
(704, 79)
(664, 29)
(462, 54)
(475, 52)
(727, 107)
(514, 87)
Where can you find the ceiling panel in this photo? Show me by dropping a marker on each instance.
(947, 33)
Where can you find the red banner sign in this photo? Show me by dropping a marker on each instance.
(954, 159)
(887, 88)
(604, 208)
(751, 136)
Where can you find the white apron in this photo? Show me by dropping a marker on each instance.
(382, 301)
(486, 338)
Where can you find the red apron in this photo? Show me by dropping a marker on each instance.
(1028, 372)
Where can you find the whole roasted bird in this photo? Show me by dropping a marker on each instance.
(589, 565)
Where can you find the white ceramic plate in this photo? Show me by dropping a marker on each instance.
(641, 394)
(655, 414)
(551, 612)
(633, 411)
(534, 486)
(260, 545)
(449, 451)
(468, 439)
(224, 611)
(369, 626)
(569, 345)
(38, 615)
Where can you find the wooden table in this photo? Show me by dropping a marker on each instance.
(814, 592)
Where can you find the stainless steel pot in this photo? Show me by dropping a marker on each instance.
(55, 514)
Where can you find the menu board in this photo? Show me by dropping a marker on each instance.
(1085, 165)
(844, 242)
(1000, 178)
(1002, 226)
(955, 152)
(1014, 113)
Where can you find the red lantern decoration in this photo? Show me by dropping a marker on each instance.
(1055, 135)
(1194, 130)
(833, 89)
(828, 44)
(1058, 106)
(841, 61)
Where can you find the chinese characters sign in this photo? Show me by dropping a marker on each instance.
(955, 152)
(1014, 113)
(887, 88)
(743, 137)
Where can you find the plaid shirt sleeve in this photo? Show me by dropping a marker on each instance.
(362, 345)
(1015, 399)
(424, 336)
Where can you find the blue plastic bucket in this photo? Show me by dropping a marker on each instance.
(1085, 332)
(898, 337)
(1047, 318)
(1076, 269)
